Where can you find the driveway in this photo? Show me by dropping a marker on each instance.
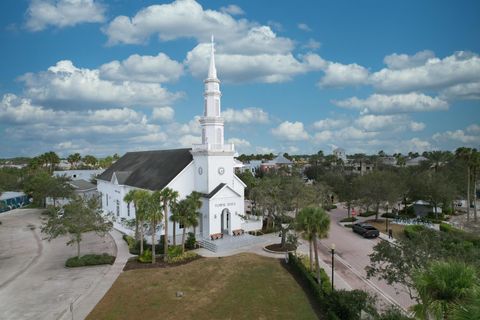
(351, 259)
(34, 283)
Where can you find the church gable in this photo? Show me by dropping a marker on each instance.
(222, 191)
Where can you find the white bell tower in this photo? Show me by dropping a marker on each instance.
(213, 157)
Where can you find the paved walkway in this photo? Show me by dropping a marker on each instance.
(85, 303)
(34, 283)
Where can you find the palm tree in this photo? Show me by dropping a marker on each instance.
(465, 154)
(129, 198)
(140, 200)
(175, 217)
(166, 197)
(315, 221)
(441, 286)
(196, 203)
(187, 213)
(154, 215)
(303, 225)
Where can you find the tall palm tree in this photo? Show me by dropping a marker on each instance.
(129, 198)
(316, 222)
(465, 154)
(302, 224)
(140, 200)
(196, 204)
(154, 215)
(441, 286)
(174, 217)
(166, 197)
(188, 214)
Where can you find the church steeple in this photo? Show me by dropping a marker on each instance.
(212, 71)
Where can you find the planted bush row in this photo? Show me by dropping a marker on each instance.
(90, 260)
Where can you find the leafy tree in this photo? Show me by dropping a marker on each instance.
(75, 219)
(398, 264)
(465, 154)
(344, 186)
(167, 197)
(441, 286)
(248, 178)
(315, 222)
(41, 185)
(90, 160)
(74, 159)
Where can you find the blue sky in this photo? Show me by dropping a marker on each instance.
(101, 77)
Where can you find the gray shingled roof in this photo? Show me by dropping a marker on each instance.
(214, 191)
(82, 185)
(151, 170)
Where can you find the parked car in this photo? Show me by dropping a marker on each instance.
(365, 230)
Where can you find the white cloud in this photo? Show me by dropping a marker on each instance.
(116, 115)
(63, 13)
(188, 140)
(163, 113)
(417, 126)
(68, 86)
(179, 19)
(474, 128)
(458, 136)
(464, 91)
(269, 68)
(330, 124)
(404, 61)
(238, 142)
(323, 136)
(338, 75)
(304, 27)
(417, 145)
(264, 150)
(290, 131)
(158, 68)
(232, 9)
(245, 116)
(410, 75)
(372, 122)
(312, 44)
(400, 103)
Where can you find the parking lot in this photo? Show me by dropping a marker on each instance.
(34, 283)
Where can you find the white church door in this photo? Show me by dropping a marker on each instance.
(225, 221)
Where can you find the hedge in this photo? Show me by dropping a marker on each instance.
(412, 230)
(467, 236)
(349, 219)
(367, 214)
(337, 304)
(90, 260)
(134, 246)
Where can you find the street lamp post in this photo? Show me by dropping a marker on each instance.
(333, 263)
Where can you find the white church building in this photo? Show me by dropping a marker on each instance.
(207, 168)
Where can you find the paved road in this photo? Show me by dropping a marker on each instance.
(352, 258)
(34, 284)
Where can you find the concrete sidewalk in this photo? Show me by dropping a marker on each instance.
(85, 303)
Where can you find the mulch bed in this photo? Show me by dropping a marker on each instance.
(278, 247)
(133, 264)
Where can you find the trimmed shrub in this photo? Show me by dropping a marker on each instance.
(367, 214)
(90, 260)
(174, 251)
(146, 257)
(336, 305)
(191, 241)
(329, 207)
(412, 230)
(187, 256)
(389, 215)
(351, 219)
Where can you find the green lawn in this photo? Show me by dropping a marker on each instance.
(244, 286)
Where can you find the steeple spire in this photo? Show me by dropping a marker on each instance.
(212, 71)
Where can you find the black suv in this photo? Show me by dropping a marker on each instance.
(365, 230)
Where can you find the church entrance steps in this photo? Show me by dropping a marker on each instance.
(230, 243)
